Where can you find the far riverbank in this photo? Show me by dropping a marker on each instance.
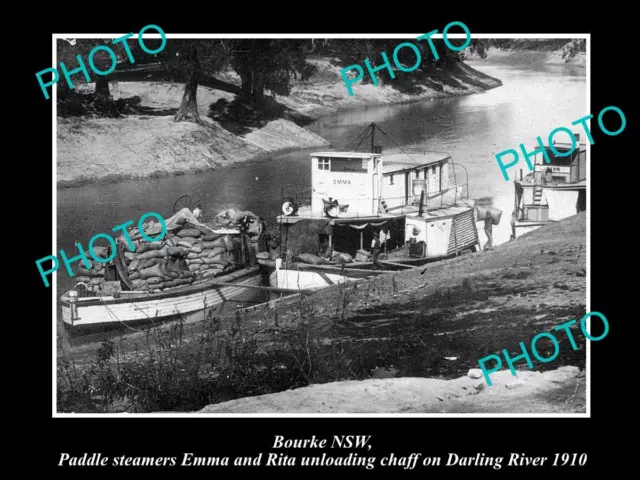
(107, 150)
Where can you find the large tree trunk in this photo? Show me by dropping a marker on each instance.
(258, 90)
(189, 107)
(102, 86)
(247, 82)
(102, 96)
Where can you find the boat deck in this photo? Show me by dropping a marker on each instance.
(182, 290)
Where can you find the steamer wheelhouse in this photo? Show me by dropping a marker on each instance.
(556, 188)
(412, 199)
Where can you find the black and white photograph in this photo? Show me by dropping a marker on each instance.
(334, 225)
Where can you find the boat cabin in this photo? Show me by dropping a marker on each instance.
(570, 168)
(351, 179)
(354, 195)
(404, 178)
(555, 189)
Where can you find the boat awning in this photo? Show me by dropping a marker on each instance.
(440, 212)
(340, 221)
(361, 222)
(401, 163)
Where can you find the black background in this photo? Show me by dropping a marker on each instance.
(43, 438)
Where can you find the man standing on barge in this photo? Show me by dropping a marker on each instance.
(488, 230)
(375, 251)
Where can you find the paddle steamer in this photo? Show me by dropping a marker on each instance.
(556, 189)
(414, 200)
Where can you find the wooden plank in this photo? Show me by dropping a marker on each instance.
(395, 264)
(255, 287)
(338, 270)
(326, 278)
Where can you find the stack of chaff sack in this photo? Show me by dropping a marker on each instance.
(158, 265)
(189, 251)
(94, 275)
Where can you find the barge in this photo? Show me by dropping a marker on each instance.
(195, 278)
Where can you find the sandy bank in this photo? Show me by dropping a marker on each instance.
(557, 391)
(326, 92)
(142, 146)
(531, 57)
(457, 312)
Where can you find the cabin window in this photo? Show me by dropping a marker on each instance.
(417, 173)
(339, 164)
(425, 173)
(324, 164)
(391, 180)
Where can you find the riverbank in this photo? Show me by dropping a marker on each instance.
(103, 150)
(434, 325)
(556, 391)
(552, 52)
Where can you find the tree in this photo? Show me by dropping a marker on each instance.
(68, 50)
(355, 51)
(479, 46)
(269, 64)
(188, 61)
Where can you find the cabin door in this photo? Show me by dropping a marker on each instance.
(433, 181)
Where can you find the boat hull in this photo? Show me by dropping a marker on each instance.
(304, 280)
(135, 307)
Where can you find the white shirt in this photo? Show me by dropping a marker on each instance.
(197, 212)
(543, 199)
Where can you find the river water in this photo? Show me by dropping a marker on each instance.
(532, 101)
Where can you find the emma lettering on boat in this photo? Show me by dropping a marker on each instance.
(112, 249)
(342, 182)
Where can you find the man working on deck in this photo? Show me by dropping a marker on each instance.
(488, 228)
(514, 219)
(197, 212)
(375, 251)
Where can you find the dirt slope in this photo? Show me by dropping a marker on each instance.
(558, 391)
(141, 146)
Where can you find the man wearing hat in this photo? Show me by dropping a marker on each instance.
(375, 251)
(488, 230)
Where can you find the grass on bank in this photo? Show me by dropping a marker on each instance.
(184, 367)
(174, 370)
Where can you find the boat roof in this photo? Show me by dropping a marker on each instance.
(403, 161)
(345, 154)
(581, 147)
(411, 212)
(354, 218)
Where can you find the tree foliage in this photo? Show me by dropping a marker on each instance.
(355, 51)
(568, 47)
(69, 49)
(269, 64)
